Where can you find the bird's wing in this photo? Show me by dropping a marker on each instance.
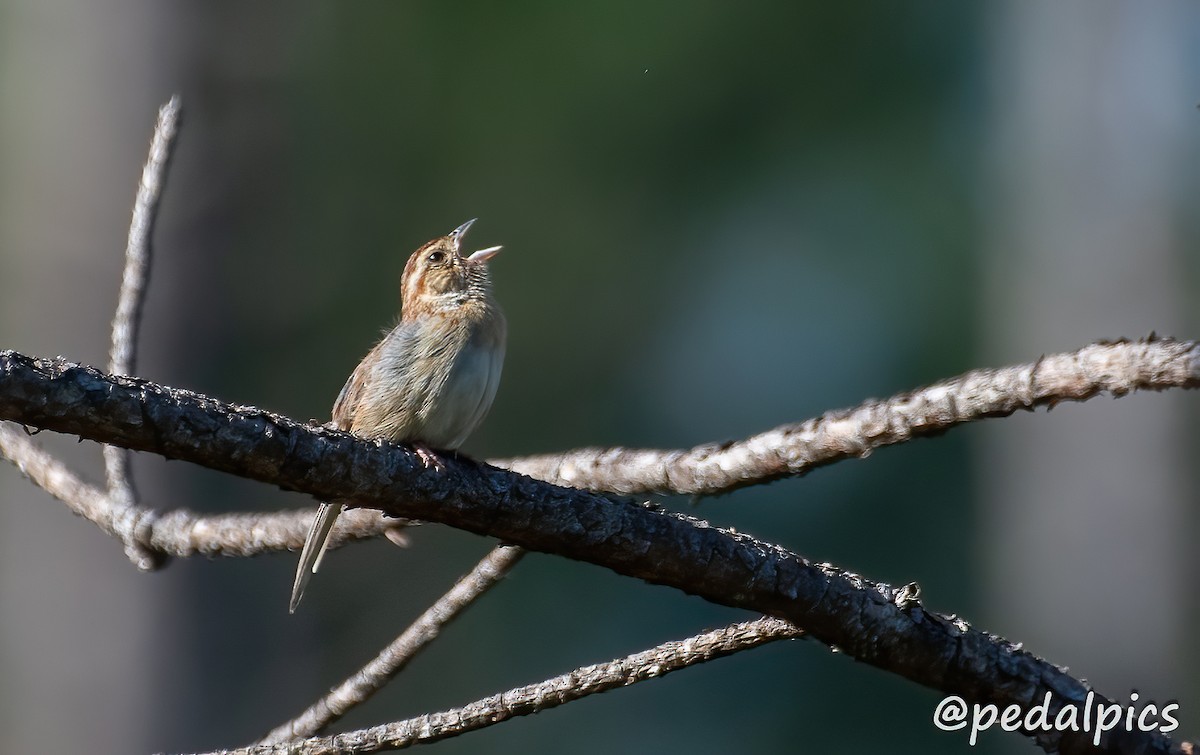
(351, 394)
(401, 387)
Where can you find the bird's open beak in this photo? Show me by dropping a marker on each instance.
(483, 255)
(456, 236)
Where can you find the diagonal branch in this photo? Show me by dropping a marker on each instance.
(796, 449)
(871, 622)
(392, 660)
(787, 450)
(534, 698)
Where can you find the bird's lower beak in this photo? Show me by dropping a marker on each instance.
(483, 255)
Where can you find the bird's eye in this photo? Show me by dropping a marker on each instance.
(436, 257)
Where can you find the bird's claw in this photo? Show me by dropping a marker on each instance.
(429, 457)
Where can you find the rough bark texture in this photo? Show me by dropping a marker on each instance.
(874, 623)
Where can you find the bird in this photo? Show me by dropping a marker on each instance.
(431, 379)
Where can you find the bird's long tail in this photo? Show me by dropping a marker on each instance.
(314, 550)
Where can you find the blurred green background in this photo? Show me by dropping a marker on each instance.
(717, 218)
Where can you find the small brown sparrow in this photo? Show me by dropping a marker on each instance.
(431, 380)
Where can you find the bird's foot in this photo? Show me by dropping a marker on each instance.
(429, 457)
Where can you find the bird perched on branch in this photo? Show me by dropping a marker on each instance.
(431, 380)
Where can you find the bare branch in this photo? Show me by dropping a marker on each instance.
(181, 532)
(48, 473)
(871, 622)
(184, 533)
(796, 449)
(123, 354)
(534, 698)
(384, 667)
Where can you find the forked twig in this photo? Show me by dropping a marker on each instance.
(183, 533)
(392, 660)
(123, 354)
(534, 698)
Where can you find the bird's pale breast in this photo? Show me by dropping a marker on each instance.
(467, 393)
(435, 379)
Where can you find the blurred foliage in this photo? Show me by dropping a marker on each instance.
(716, 218)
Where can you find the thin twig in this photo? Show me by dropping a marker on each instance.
(184, 533)
(127, 321)
(534, 698)
(796, 449)
(123, 355)
(384, 667)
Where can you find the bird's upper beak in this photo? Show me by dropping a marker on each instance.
(456, 236)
